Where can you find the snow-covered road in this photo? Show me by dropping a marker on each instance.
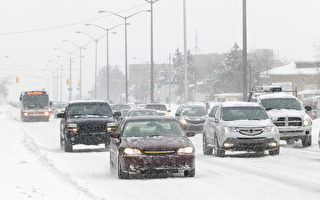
(35, 168)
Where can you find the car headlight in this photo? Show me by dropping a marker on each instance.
(72, 125)
(186, 150)
(306, 122)
(228, 129)
(183, 121)
(130, 151)
(270, 128)
(46, 113)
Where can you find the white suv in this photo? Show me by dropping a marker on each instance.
(239, 126)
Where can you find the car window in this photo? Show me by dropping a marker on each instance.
(89, 109)
(157, 107)
(194, 111)
(281, 103)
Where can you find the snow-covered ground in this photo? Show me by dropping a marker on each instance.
(34, 167)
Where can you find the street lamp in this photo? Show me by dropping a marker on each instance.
(96, 61)
(80, 61)
(70, 76)
(244, 50)
(151, 2)
(107, 30)
(58, 64)
(125, 18)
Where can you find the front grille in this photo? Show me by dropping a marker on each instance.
(250, 131)
(255, 138)
(288, 121)
(291, 131)
(159, 152)
(92, 128)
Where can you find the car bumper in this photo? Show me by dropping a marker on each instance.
(89, 138)
(294, 132)
(35, 117)
(250, 144)
(167, 163)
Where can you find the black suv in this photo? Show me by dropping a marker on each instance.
(86, 122)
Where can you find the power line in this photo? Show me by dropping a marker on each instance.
(68, 25)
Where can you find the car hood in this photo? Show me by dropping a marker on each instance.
(275, 114)
(248, 123)
(90, 120)
(195, 118)
(156, 143)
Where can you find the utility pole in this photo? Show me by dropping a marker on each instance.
(244, 51)
(185, 53)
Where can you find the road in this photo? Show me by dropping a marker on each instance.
(85, 173)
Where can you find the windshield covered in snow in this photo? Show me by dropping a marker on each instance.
(157, 107)
(194, 112)
(35, 101)
(243, 113)
(282, 103)
(151, 128)
(89, 109)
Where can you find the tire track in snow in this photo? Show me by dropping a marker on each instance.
(32, 146)
(294, 182)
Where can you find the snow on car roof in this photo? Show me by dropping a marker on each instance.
(276, 95)
(239, 104)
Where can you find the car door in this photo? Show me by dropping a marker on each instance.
(115, 143)
(209, 126)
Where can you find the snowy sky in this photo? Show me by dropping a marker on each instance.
(290, 27)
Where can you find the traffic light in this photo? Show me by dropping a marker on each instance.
(67, 82)
(17, 80)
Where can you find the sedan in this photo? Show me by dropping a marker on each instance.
(147, 145)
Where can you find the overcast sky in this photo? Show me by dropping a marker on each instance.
(290, 27)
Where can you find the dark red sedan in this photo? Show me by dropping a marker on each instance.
(147, 145)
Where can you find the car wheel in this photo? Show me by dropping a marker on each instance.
(206, 150)
(190, 173)
(121, 174)
(275, 151)
(259, 153)
(107, 144)
(306, 142)
(68, 147)
(61, 142)
(218, 151)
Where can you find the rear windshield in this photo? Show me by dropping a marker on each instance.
(121, 107)
(152, 128)
(194, 111)
(142, 113)
(89, 109)
(157, 107)
(243, 113)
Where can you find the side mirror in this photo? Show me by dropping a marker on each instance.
(50, 103)
(61, 115)
(115, 135)
(308, 108)
(169, 110)
(177, 115)
(190, 134)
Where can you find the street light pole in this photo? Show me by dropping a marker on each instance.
(107, 30)
(125, 18)
(244, 51)
(185, 52)
(151, 52)
(96, 62)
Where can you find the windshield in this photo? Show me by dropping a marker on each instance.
(35, 101)
(283, 103)
(142, 113)
(194, 111)
(151, 128)
(89, 109)
(243, 113)
(157, 107)
(121, 107)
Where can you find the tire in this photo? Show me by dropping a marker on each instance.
(307, 141)
(259, 153)
(206, 150)
(274, 152)
(218, 151)
(107, 145)
(122, 174)
(68, 147)
(61, 142)
(190, 173)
